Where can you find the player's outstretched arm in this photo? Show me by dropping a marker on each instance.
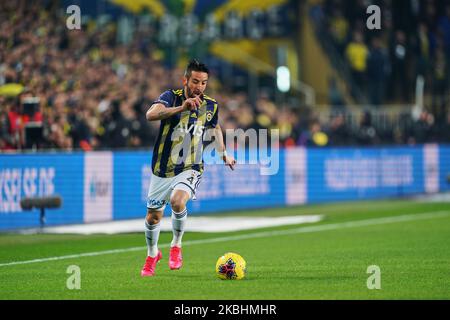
(158, 111)
(228, 160)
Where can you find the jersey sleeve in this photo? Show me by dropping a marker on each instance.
(167, 98)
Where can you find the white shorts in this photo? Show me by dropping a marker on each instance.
(161, 188)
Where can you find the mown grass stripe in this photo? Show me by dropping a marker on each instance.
(309, 229)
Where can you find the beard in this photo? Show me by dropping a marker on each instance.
(193, 94)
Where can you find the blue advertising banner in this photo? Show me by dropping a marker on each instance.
(132, 172)
(34, 175)
(220, 189)
(104, 186)
(444, 168)
(351, 174)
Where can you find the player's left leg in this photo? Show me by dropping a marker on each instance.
(184, 187)
(178, 201)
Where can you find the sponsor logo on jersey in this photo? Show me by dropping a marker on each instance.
(188, 128)
(209, 115)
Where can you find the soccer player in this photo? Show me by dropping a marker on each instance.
(177, 163)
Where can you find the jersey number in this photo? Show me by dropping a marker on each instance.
(191, 180)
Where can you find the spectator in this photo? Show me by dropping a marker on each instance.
(440, 81)
(118, 128)
(444, 30)
(22, 111)
(339, 27)
(146, 132)
(377, 72)
(400, 85)
(445, 129)
(314, 137)
(356, 53)
(423, 51)
(80, 131)
(339, 133)
(366, 134)
(335, 97)
(6, 141)
(422, 130)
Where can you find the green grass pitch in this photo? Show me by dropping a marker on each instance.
(289, 262)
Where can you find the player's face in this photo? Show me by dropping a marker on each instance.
(196, 83)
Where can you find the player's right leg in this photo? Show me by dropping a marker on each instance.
(152, 230)
(158, 195)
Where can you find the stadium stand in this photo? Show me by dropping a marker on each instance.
(93, 91)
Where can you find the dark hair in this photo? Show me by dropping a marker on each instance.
(195, 65)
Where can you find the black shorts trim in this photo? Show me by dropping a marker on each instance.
(193, 191)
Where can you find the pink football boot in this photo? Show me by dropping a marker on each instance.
(150, 263)
(176, 259)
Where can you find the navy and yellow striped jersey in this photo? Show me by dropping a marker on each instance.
(179, 145)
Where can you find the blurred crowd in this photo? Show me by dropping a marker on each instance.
(413, 40)
(88, 92)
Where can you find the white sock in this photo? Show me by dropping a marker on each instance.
(178, 222)
(151, 237)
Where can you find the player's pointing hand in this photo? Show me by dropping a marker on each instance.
(229, 161)
(192, 103)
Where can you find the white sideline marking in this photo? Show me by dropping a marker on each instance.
(436, 197)
(324, 227)
(194, 224)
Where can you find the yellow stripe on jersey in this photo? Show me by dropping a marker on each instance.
(209, 98)
(196, 139)
(170, 171)
(199, 143)
(161, 146)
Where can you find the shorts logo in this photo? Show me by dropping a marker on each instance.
(209, 115)
(158, 203)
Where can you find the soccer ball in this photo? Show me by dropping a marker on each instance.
(231, 266)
